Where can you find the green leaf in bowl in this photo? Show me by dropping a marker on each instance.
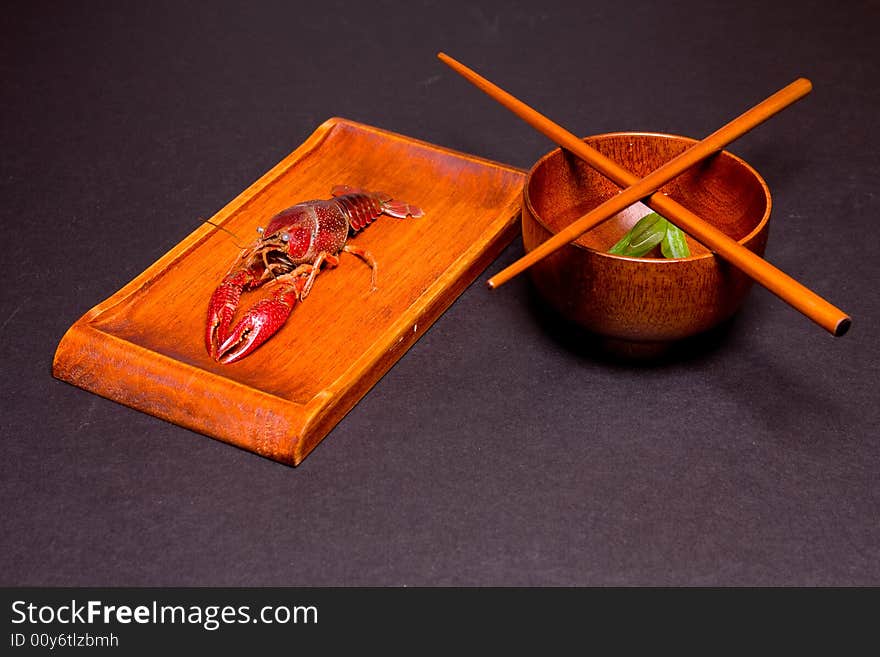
(647, 233)
(674, 244)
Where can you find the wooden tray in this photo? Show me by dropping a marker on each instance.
(144, 346)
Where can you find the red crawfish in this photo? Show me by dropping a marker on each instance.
(288, 255)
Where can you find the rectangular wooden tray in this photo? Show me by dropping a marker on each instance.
(144, 346)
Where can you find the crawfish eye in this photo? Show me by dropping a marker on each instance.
(261, 230)
(285, 237)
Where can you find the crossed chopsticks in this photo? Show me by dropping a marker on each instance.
(803, 299)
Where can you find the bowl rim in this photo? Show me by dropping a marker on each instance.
(664, 261)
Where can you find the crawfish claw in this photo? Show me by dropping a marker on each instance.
(259, 324)
(221, 310)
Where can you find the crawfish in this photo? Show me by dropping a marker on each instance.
(289, 255)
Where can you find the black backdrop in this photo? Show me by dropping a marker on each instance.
(497, 450)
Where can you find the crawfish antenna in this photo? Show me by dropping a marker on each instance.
(226, 230)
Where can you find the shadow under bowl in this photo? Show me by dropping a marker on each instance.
(642, 305)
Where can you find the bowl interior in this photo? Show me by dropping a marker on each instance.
(722, 189)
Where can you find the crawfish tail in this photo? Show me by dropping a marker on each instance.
(363, 207)
(401, 209)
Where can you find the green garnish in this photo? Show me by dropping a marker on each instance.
(649, 231)
(674, 244)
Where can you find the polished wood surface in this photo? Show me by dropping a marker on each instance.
(144, 346)
(785, 287)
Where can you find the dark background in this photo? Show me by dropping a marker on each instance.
(498, 450)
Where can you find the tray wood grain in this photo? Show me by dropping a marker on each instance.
(143, 346)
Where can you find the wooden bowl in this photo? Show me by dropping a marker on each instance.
(642, 305)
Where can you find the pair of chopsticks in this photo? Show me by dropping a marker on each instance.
(789, 290)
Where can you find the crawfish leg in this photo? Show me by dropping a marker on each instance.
(311, 270)
(368, 258)
(323, 257)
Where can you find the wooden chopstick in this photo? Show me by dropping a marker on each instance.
(639, 189)
(789, 290)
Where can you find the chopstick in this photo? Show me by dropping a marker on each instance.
(639, 189)
(786, 288)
